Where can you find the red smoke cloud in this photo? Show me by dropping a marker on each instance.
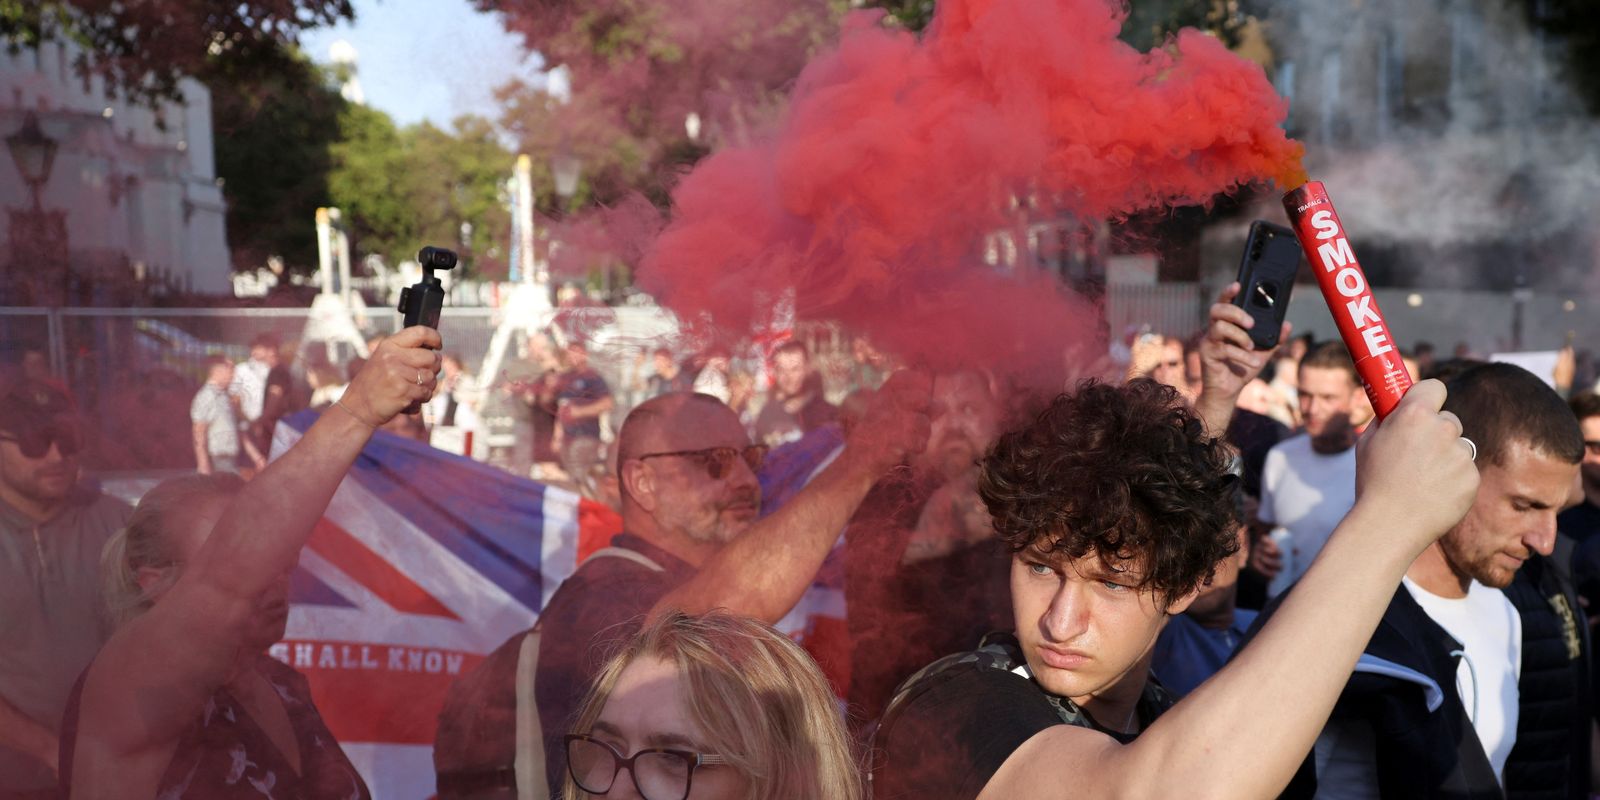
(870, 201)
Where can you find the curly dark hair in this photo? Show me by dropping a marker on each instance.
(1124, 472)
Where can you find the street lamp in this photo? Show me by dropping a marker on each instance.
(37, 238)
(34, 154)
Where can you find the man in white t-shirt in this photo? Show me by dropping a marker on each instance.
(250, 377)
(1490, 632)
(1432, 709)
(1308, 482)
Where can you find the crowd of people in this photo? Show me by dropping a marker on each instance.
(1215, 575)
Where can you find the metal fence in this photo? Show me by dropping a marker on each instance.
(134, 371)
(1176, 309)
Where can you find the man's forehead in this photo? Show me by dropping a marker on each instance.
(969, 386)
(1530, 472)
(1332, 377)
(697, 424)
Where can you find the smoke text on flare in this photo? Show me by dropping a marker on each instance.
(1337, 257)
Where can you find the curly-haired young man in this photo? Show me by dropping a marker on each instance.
(1117, 503)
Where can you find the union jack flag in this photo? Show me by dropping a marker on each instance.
(424, 563)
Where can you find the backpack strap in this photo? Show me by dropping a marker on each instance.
(532, 783)
(532, 780)
(997, 651)
(632, 555)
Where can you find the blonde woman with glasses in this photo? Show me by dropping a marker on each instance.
(710, 707)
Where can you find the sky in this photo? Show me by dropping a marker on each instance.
(428, 59)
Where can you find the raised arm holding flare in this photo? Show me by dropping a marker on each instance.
(691, 541)
(204, 568)
(1118, 505)
(763, 572)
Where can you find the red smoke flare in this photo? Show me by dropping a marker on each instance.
(897, 156)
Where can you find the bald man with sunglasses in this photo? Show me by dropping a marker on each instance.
(52, 611)
(692, 540)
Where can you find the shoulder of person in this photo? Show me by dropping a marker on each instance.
(1291, 446)
(951, 727)
(960, 674)
(284, 677)
(110, 511)
(1409, 654)
(603, 582)
(1244, 618)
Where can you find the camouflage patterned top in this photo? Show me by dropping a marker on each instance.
(952, 724)
(225, 755)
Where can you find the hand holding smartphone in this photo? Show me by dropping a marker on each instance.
(1266, 280)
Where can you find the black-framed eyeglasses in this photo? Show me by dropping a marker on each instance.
(718, 461)
(1592, 447)
(35, 442)
(658, 773)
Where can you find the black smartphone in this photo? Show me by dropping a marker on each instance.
(1266, 279)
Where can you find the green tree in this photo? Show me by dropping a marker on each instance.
(145, 47)
(400, 189)
(367, 181)
(274, 118)
(455, 178)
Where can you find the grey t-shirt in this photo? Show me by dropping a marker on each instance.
(53, 616)
(213, 407)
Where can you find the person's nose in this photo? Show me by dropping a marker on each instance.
(1541, 537)
(54, 456)
(741, 476)
(1067, 618)
(624, 787)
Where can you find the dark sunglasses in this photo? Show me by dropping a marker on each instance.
(718, 461)
(35, 442)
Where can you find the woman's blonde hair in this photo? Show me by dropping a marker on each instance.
(760, 700)
(143, 542)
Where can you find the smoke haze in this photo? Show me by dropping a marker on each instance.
(897, 156)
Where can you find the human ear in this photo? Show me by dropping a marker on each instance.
(1181, 604)
(639, 482)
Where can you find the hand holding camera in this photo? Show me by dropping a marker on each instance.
(423, 303)
(399, 375)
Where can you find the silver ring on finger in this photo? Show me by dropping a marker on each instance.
(1471, 445)
(419, 377)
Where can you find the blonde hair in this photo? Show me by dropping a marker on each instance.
(760, 700)
(143, 542)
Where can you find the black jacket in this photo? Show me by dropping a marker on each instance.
(1551, 758)
(1405, 688)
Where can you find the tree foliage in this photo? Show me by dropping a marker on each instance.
(1149, 22)
(287, 143)
(274, 118)
(401, 188)
(144, 47)
(640, 68)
